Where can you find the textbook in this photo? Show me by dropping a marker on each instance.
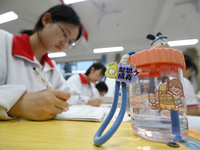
(83, 113)
(88, 113)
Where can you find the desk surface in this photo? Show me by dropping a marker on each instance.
(69, 135)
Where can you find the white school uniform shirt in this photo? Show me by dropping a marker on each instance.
(81, 90)
(16, 71)
(190, 96)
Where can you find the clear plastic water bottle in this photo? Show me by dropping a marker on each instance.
(157, 102)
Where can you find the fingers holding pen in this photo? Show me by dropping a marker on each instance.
(59, 99)
(42, 105)
(46, 104)
(53, 99)
(61, 94)
(61, 104)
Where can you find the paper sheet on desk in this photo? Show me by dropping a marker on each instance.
(193, 122)
(88, 113)
(126, 117)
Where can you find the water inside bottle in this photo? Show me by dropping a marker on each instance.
(157, 128)
(150, 120)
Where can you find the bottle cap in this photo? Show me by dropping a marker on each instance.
(155, 61)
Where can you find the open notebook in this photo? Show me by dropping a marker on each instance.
(88, 113)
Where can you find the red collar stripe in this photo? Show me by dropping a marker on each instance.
(22, 47)
(83, 80)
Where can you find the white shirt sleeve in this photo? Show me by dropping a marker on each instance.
(9, 96)
(189, 92)
(78, 95)
(9, 93)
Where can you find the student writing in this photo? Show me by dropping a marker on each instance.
(21, 93)
(83, 88)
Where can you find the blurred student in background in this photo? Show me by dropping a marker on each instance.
(189, 90)
(82, 86)
(102, 88)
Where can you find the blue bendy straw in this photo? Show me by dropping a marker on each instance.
(98, 139)
(175, 126)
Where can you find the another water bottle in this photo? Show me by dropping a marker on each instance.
(157, 102)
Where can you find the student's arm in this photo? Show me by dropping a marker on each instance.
(74, 84)
(77, 97)
(9, 96)
(10, 93)
(84, 100)
(42, 105)
(193, 111)
(95, 101)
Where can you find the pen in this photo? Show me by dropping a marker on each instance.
(42, 79)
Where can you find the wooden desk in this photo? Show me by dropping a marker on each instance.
(70, 135)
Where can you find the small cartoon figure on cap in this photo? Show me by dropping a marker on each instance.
(158, 41)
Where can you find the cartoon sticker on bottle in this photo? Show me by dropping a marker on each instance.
(168, 96)
(123, 72)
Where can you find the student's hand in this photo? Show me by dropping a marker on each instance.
(95, 101)
(42, 105)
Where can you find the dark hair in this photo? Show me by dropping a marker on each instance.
(101, 86)
(62, 13)
(190, 63)
(96, 66)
